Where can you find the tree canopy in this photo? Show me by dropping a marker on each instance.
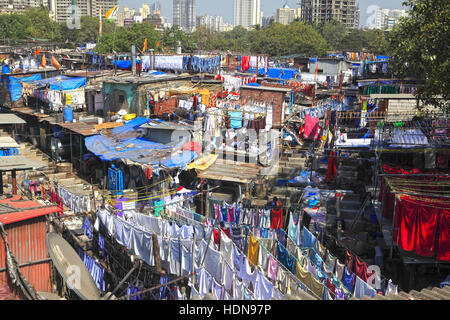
(419, 47)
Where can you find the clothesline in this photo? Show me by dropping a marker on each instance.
(221, 233)
(281, 230)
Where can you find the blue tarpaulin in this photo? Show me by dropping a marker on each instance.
(136, 149)
(14, 85)
(276, 73)
(285, 74)
(125, 64)
(63, 83)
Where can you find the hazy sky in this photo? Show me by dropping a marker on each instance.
(224, 8)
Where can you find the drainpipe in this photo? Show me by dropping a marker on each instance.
(133, 59)
(152, 64)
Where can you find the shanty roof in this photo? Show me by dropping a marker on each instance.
(9, 118)
(126, 143)
(262, 88)
(16, 209)
(20, 163)
(231, 171)
(8, 142)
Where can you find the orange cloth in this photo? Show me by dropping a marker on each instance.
(253, 250)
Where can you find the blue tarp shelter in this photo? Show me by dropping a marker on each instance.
(14, 84)
(63, 83)
(122, 145)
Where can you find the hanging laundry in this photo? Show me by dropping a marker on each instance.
(311, 127)
(253, 247)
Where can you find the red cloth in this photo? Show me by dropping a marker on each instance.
(192, 146)
(427, 224)
(331, 287)
(417, 224)
(216, 236)
(332, 161)
(443, 250)
(407, 227)
(349, 258)
(276, 218)
(361, 269)
(311, 127)
(245, 63)
(227, 232)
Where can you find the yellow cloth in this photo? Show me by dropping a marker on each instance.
(68, 99)
(309, 281)
(203, 163)
(205, 96)
(252, 254)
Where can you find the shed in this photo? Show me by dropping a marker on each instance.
(274, 96)
(25, 225)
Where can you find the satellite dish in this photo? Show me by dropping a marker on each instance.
(71, 267)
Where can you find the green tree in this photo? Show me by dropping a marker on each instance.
(419, 47)
(122, 39)
(89, 30)
(334, 33)
(15, 26)
(41, 25)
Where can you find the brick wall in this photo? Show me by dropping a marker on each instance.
(167, 106)
(271, 97)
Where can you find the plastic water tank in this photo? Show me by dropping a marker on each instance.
(68, 114)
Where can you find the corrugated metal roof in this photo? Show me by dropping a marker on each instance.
(20, 163)
(16, 209)
(9, 118)
(8, 142)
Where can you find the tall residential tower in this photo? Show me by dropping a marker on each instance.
(185, 14)
(247, 13)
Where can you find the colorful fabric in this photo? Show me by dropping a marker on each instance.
(253, 247)
(276, 218)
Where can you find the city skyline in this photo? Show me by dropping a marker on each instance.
(224, 8)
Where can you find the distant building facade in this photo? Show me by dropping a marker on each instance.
(247, 13)
(184, 14)
(345, 11)
(286, 15)
(387, 18)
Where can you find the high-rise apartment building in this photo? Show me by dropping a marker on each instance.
(145, 11)
(286, 15)
(247, 13)
(61, 10)
(184, 14)
(345, 11)
(215, 23)
(387, 18)
(155, 8)
(21, 5)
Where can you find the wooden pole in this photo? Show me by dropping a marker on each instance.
(156, 253)
(14, 182)
(100, 31)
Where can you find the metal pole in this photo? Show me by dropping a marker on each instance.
(123, 280)
(338, 216)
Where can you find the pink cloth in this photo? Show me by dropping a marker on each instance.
(311, 127)
(272, 269)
